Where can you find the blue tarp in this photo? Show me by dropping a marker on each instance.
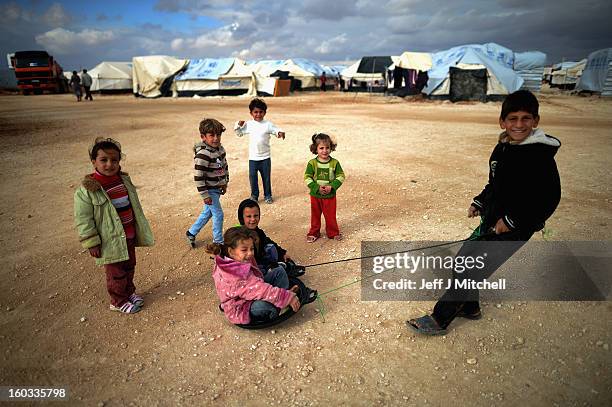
(310, 66)
(497, 59)
(596, 70)
(207, 68)
(529, 60)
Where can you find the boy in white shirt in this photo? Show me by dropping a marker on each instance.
(259, 131)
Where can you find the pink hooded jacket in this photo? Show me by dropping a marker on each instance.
(239, 284)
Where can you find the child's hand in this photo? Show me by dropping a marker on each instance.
(473, 211)
(294, 289)
(208, 201)
(295, 304)
(95, 252)
(286, 258)
(500, 227)
(322, 190)
(241, 123)
(281, 134)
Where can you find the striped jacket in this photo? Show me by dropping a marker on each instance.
(211, 170)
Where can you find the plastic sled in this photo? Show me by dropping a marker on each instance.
(306, 296)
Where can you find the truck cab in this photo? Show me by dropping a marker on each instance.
(37, 71)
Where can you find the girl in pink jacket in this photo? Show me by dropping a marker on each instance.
(244, 292)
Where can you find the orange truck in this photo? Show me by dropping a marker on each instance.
(37, 71)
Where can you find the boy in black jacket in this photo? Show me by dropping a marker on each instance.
(523, 192)
(268, 254)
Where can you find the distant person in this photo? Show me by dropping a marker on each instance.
(323, 79)
(323, 176)
(246, 295)
(522, 193)
(211, 177)
(86, 81)
(75, 84)
(111, 223)
(259, 131)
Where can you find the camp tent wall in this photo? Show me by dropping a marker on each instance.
(152, 74)
(369, 73)
(214, 76)
(498, 60)
(597, 74)
(567, 74)
(530, 66)
(111, 76)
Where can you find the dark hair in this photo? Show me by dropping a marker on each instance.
(104, 143)
(520, 100)
(247, 203)
(258, 103)
(322, 137)
(211, 126)
(84, 70)
(74, 72)
(231, 238)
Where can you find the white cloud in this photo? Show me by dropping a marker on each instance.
(332, 46)
(67, 42)
(56, 16)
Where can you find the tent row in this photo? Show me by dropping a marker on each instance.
(467, 72)
(154, 76)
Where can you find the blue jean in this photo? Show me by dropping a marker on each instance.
(263, 310)
(213, 211)
(265, 168)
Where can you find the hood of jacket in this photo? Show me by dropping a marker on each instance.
(91, 184)
(244, 204)
(235, 269)
(537, 136)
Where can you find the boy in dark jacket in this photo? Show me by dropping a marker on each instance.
(523, 192)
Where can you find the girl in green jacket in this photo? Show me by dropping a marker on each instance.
(111, 223)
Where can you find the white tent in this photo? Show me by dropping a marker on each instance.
(597, 74)
(215, 76)
(300, 69)
(495, 60)
(152, 76)
(111, 76)
(351, 75)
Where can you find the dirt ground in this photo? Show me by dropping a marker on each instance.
(412, 170)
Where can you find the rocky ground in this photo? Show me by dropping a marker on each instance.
(412, 169)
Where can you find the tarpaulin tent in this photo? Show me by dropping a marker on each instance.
(497, 61)
(369, 73)
(214, 76)
(566, 74)
(530, 66)
(107, 76)
(153, 76)
(597, 74)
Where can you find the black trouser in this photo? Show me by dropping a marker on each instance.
(454, 299)
(88, 93)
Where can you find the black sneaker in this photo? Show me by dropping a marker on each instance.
(191, 239)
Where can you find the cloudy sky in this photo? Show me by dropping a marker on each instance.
(80, 34)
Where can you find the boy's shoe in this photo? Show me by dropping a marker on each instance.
(136, 300)
(253, 198)
(127, 308)
(269, 200)
(191, 239)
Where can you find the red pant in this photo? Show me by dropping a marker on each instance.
(327, 206)
(120, 277)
